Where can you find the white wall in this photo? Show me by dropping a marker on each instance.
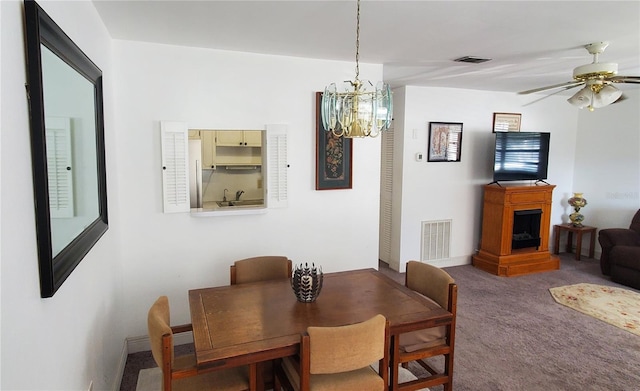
(75, 337)
(607, 168)
(454, 190)
(172, 253)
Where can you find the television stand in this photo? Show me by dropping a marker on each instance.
(501, 253)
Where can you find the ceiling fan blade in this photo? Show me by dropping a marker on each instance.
(624, 79)
(567, 85)
(546, 96)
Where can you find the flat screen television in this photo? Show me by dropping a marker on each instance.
(521, 156)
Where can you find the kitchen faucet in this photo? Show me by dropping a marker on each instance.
(238, 194)
(224, 195)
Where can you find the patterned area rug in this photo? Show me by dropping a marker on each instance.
(151, 379)
(616, 306)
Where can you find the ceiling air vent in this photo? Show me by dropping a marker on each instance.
(471, 59)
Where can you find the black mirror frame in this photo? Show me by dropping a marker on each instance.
(41, 29)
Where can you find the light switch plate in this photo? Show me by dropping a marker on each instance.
(419, 157)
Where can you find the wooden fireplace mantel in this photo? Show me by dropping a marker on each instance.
(496, 254)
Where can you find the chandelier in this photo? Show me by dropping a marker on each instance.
(355, 110)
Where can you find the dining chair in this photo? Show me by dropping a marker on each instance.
(261, 268)
(437, 286)
(338, 358)
(179, 373)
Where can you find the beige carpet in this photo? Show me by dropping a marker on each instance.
(616, 306)
(151, 379)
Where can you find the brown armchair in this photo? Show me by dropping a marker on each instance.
(612, 237)
(180, 373)
(418, 346)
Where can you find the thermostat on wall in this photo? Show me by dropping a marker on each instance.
(419, 157)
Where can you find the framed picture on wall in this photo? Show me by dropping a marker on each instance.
(333, 156)
(445, 141)
(506, 122)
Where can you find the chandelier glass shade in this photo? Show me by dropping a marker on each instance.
(357, 108)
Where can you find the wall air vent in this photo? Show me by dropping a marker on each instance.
(436, 240)
(471, 59)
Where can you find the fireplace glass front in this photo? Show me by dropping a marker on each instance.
(526, 228)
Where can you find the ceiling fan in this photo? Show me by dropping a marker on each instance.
(598, 79)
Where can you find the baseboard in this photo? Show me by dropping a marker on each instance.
(142, 344)
(455, 261)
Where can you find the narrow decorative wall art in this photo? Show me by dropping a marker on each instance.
(333, 156)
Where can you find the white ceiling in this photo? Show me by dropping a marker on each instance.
(532, 43)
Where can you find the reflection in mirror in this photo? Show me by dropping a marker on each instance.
(67, 148)
(70, 143)
(226, 169)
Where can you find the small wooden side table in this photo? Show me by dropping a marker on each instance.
(558, 228)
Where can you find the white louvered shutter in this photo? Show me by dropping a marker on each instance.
(175, 166)
(59, 166)
(386, 197)
(277, 166)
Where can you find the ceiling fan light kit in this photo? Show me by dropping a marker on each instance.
(597, 78)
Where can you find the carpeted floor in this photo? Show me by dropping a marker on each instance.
(511, 335)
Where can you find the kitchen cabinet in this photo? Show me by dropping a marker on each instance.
(208, 148)
(208, 142)
(252, 138)
(233, 156)
(239, 138)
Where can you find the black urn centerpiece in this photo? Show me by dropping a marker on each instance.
(306, 282)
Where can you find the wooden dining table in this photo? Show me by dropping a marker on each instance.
(248, 324)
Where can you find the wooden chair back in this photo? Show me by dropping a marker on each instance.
(341, 357)
(262, 268)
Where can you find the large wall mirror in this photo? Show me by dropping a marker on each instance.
(67, 148)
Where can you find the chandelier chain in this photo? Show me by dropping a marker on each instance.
(358, 42)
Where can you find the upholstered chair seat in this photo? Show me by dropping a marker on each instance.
(422, 339)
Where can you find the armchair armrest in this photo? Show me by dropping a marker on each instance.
(183, 328)
(618, 237)
(610, 237)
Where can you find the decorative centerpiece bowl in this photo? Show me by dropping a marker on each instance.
(306, 282)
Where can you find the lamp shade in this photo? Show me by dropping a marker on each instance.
(607, 95)
(595, 96)
(582, 98)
